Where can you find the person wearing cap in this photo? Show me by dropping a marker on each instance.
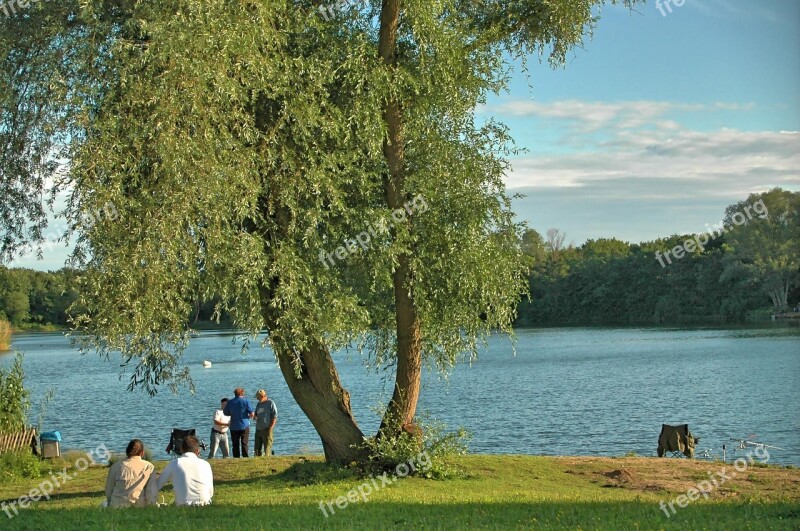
(266, 416)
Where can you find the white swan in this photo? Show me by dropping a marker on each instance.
(207, 364)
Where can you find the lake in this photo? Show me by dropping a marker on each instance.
(567, 391)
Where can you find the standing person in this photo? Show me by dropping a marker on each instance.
(266, 416)
(191, 477)
(127, 478)
(219, 431)
(240, 411)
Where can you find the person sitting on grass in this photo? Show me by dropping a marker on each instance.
(191, 477)
(127, 478)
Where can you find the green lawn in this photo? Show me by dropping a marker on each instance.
(498, 492)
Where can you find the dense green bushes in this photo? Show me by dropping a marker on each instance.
(14, 406)
(22, 464)
(14, 398)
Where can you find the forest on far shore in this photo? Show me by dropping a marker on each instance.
(747, 268)
(744, 271)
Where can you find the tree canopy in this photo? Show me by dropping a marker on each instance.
(240, 142)
(744, 263)
(764, 244)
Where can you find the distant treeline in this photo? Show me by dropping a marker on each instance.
(31, 299)
(37, 299)
(748, 268)
(613, 282)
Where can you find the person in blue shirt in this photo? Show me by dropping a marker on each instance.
(240, 411)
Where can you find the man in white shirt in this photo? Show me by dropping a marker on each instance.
(191, 477)
(219, 432)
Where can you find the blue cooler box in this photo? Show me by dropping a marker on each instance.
(51, 444)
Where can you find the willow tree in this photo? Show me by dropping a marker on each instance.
(247, 145)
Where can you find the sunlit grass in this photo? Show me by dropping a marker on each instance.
(495, 492)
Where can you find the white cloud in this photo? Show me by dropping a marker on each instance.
(625, 143)
(728, 9)
(734, 160)
(587, 116)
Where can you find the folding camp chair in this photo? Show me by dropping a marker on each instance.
(176, 440)
(677, 440)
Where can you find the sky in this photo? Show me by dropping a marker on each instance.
(659, 122)
(653, 126)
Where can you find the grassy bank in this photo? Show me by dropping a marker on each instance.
(497, 492)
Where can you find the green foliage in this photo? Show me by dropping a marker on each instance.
(5, 335)
(50, 294)
(763, 244)
(36, 299)
(21, 464)
(612, 282)
(428, 444)
(45, 77)
(277, 116)
(14, 398)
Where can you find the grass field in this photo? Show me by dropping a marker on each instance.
(496, 492)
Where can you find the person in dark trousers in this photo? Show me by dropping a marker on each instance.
(240, 411)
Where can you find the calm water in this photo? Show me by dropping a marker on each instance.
(566, 392)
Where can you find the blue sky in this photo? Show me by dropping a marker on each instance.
(655, 125)
(659, 122)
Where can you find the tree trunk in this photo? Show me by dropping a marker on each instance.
(318, 391)
(785, 295)
(403, 406)
(311, 374)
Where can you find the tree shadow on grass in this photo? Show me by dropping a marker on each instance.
(419, 514)
(298, 474)
(57, 496)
